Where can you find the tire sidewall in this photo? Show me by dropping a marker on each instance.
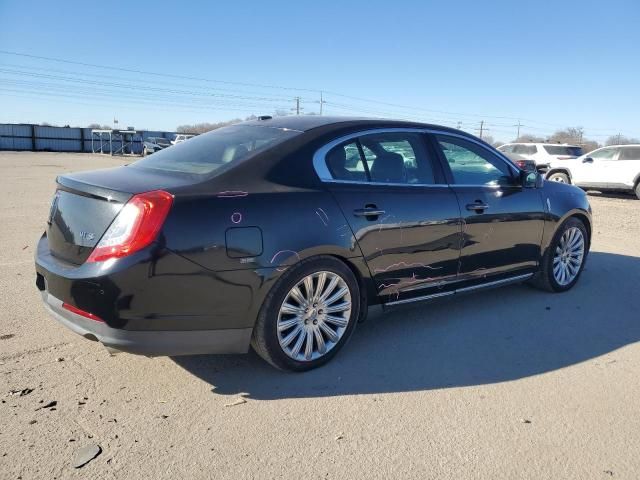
(569, 223)
(559, 174)
(267, 321)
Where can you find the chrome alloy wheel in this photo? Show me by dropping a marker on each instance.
(568, 256)
(314, 316)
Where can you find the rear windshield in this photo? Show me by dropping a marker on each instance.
(224, 147)
(563, 150)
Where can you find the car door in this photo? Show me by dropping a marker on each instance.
(623, 169)
(592, 169)
(502, 221)
(403, 214)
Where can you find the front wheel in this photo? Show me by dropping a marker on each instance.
(565, 257)
(559, 177)
(308, 316)
(637, 190)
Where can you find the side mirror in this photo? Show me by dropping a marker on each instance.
(587, 160)
(529, 179)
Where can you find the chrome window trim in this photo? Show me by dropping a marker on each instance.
(320, 164)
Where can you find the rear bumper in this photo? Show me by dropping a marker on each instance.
(151, 343)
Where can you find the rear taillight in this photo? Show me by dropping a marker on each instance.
(135, 227)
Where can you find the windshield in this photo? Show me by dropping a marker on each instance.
(563, 150)
(205, 154)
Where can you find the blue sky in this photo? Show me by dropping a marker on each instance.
(549, 63)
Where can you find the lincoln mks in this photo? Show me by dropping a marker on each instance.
(280, 233)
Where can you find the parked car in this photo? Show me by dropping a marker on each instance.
(521, 162)
(181, 138)
(542, 153)
(281, 233)
(154, 144)
(609, 168)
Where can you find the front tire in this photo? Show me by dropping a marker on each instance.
(565, 257)
(308, 315)
(637, 190)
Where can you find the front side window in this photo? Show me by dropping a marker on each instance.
(391, 157)
(525, 149)
(604, 154)
(472, 164)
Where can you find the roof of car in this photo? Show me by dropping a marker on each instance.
(305, 123)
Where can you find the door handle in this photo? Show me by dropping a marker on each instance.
(478, 206)
(368, 212)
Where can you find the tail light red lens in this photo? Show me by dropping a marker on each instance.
(135, 227)
(81, 312)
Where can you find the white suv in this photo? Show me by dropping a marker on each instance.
(181, 138)
(542, 153)
(608, 168)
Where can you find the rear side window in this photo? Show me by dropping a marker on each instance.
(563, 150)
(525, 149)
(630, 153)
(390, 157)
(605, 154)
(397, 158)
(216, 151)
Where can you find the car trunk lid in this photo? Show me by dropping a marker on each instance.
(86, 203)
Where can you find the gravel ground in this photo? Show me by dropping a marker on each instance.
(511, 383)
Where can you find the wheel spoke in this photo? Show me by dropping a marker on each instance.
(308, 287)
(290, 337)
(291, 309)
(341, 307)
(297, 295)
(331, 335)
(308, 348)
(330, 288)
(339, 321)
(322, 348)
(296, 348)
(338, 295)
(284, 325)
(322, 278)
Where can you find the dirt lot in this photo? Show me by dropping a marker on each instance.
(511, 383)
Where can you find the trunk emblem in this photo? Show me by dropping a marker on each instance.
(87, 235)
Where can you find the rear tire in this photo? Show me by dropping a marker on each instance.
(559, 177)
(637, 190)
(564, 259)
(292, 331)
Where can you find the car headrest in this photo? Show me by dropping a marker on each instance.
(388, 167)
(336, 161)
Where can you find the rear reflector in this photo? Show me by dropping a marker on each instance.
(135, 227)
(81, 312)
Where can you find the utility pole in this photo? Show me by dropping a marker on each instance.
(321, 102)
(518, 125)
(481, 128)
(619, 136)
(459, 125)
(297, 99)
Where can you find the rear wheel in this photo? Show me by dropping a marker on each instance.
(637, 190)
(564, 260)
(308, 316)
(559, 177)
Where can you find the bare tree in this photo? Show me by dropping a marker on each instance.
(568, 135)
(529, 138)
(621, 140)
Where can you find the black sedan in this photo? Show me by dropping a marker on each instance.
(281, 232)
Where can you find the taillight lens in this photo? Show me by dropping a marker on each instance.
(135, 227)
